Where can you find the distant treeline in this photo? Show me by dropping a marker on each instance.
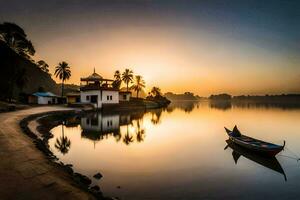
(184, 96)
(258, 98)
(223, 96)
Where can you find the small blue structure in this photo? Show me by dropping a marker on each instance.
(43, 98)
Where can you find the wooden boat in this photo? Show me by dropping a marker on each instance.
(268, 162)
(258, 146)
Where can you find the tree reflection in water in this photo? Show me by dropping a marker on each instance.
(156, 115)
(186, 106)
(128, 138)
(63, 144)
(140, 133)
(125, 127)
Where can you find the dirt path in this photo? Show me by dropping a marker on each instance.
(25, 173)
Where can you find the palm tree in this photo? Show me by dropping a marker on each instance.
(117, 82)
(138, 85)
(43, 66)
(127, 77)
(156, 91)
(64, 73)
(117, 75)
(63, 144)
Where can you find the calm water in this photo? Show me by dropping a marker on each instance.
(178, 152)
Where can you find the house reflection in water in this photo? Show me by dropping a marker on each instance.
(98, 126)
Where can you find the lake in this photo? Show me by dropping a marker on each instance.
(180, 152)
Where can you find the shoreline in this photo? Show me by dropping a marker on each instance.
(28, 172)
(32, 127)
(44, 122)
(43, 125)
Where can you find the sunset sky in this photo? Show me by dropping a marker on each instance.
(239, 47)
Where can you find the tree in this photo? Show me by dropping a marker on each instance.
(16, 39)
(139, 84)
(117, 82)
(64, 73)
(117, 75)
(127, 77)
(43, 66)
(155, 91)
(63, 144)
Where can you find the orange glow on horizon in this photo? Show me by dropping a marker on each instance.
(174, 60)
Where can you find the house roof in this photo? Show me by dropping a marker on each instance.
(125, 92)
(73, 94)
(96, 87)
(124, 89)
(44, 94)
(95, 76)
(92, 77)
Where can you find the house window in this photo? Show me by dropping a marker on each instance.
(94, 122)
(124, 96)
(109, 123)
(111, 97)
(107, 98)
(87, 98)
(94, 98)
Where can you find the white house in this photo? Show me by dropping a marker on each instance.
(43, 98)
(98, 91)
(124, 95)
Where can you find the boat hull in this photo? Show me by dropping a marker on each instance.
(269, 162)
(262, 151)
(255, 145)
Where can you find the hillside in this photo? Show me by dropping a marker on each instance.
(11, 62)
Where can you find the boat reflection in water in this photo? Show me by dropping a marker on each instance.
(268, 162)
